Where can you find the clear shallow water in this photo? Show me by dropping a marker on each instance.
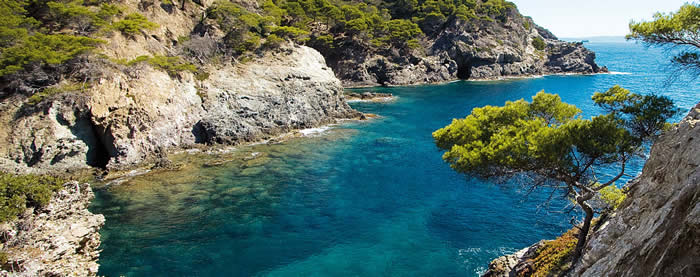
(361, 199)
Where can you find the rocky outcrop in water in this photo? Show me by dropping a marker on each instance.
(476, 50)
(656, 231)
(514, 264)
(61, 239)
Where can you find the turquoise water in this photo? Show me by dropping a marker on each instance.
(361, 199)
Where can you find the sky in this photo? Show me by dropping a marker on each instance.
(588, 18)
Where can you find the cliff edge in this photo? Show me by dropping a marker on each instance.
(656, 231)
(60, 239)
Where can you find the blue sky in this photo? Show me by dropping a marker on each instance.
(570, 19)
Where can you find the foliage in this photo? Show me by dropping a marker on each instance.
(554, 256)
(612, 196)
(44, 49)
(376, 24)
(79, 15)
(644, 115)
(400, 33)
(36, 98)
(538, 43)
(674, 30)
(19, 192)
(294, 33)
(173, 65)
(546, 143)
(133, 24)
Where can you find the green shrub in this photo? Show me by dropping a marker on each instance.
(36, 98)
(19, 192)
(44, 49)
(293, 33)
(538, 43)
(273, 41)
(81, 15)
(324, 41)
(133, 24)
(612, 196)
(171, 65)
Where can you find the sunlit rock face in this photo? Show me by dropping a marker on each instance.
(60, 239)
(656, 232)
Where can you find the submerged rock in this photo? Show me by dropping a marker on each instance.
(60, 239)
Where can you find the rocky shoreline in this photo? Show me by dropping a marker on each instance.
(61, 239)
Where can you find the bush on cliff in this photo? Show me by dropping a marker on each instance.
(19, 192)
(134, 23)
(538, 43)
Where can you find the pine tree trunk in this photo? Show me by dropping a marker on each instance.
(583, 233)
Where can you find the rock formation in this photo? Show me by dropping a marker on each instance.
(477, 50)
(60, 239)
(513, 264)
(656, 231)
(129, 113)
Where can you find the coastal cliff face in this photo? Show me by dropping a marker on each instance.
(475, 50)
(130, 115)
(60, 239)
(656, 231)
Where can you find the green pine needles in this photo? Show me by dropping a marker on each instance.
(547, 143)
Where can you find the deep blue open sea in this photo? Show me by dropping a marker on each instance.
(368, 198)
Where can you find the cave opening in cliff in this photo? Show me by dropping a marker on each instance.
(464, 71)
(97, 155)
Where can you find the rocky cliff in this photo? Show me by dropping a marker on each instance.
(60, 239)
(656, 231)
(475, 50)
(131, 114)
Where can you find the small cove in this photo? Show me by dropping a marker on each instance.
(369, 198)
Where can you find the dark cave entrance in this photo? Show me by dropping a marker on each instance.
(97, 156)
(464, 71)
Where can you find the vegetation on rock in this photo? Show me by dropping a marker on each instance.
(555, 255)
(546, 143)
(538, 43)
(19, 192)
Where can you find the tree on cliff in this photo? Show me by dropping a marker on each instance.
(547, 143)
(675, 31)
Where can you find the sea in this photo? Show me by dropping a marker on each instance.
(359, 198)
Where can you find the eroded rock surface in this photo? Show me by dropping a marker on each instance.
(60, 239)
(656, 231)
